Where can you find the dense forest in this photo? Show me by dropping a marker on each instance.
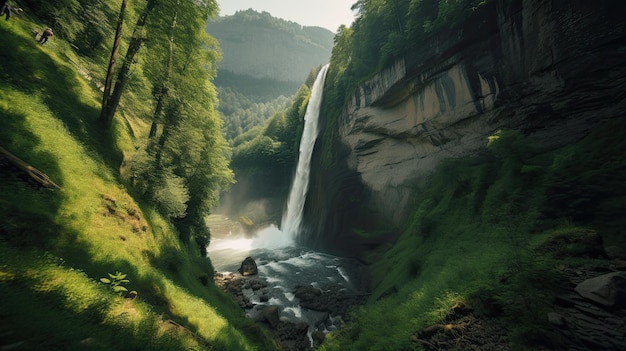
(122, 132)
(265, 59)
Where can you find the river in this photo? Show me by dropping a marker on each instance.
(300, 284)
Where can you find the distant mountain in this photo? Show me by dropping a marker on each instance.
(261, 46)
(265, 60)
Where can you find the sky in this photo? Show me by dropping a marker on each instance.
(329, 14)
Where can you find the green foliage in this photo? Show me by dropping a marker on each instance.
(276, 145)
(485, 231)
(383, 32)
(264, 47)
(116, 282)
(170, 194)
(48, 110)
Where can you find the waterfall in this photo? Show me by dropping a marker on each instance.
(292, 217)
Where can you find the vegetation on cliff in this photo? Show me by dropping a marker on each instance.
(265, 59)
(129, 201)
(264, 159)
(493, 232)
(383, 32)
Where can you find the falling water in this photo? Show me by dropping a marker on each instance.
(281, 262)
(292, 217)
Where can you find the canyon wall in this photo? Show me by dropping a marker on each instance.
(552, 69)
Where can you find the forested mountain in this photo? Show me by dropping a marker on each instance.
(265, 59)
(261, 46)
(263, 82)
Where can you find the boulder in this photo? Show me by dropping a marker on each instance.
(248, 267)
(271, 315)
(311, 298)
(556, 319)
(256, 284)
(131, 295)
(614, 252)
(608, 290)
(307, 292)
(318, 337)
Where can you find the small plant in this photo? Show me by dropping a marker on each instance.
(115, 282)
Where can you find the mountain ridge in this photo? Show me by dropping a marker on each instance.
(262, 46)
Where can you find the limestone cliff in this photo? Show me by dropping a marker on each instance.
(552, 69)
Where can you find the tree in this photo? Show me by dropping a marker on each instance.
(112, 100)
(113, 60)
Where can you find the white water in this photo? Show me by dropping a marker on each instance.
(281, 263)
(292, 217)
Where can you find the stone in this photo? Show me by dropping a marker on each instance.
(257, 284)
(318, 337)
(271, 315)
(556, 319)
(614, 251)
(131, 295)
(248, 267)
(307, 292)
(608, 289)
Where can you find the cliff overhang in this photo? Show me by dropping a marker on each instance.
(551, 69)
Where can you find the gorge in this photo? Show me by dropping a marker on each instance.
(457, 165)
(551, 69)
(300, 293)
(465, 190)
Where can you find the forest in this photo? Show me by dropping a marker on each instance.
(116, 145)
(117, 109)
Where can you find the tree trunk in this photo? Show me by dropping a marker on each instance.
(112, 62)
(31, 171)
(162, 89)
(108, 111)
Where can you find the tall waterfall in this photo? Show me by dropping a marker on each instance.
(292, 217)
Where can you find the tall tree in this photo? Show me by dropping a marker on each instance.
(113, 60)
(113, 99)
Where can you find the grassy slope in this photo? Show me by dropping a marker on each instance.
(491, 232)
(55, 245)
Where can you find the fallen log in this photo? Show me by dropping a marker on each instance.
(31, 171)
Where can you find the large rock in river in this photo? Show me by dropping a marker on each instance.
(248, 267)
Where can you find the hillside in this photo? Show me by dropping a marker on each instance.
(96, 263)
(261, 46)
(265, 59)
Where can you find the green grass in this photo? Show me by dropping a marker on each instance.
(56, 244)
(490, 231)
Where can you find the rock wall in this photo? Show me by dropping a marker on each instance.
(552, 69)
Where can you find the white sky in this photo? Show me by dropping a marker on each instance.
(329, 14)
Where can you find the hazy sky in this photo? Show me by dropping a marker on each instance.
(329, 14)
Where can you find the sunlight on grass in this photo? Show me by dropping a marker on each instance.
(94, 224)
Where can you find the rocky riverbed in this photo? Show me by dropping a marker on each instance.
(315, 310)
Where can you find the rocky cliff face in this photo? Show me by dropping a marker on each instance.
(552, 69)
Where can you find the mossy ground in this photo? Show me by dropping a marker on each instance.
(490, 232)
(55, 244)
